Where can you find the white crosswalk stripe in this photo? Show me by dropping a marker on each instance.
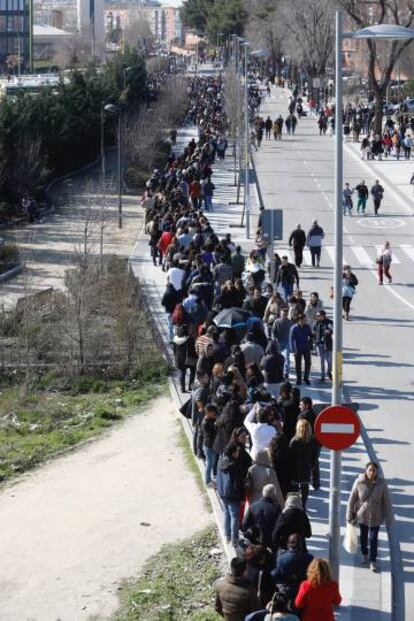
(409, 250)
(331, 252)
(307, 257)
(363, 256)
(395, 259)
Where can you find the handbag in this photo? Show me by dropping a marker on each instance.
(350, 542)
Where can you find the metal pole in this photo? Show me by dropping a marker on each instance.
(103, 145)
(237, 43)
(335, 480)
(119, 169)
(246, 147)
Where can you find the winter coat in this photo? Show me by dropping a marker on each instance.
(281, 331)
(315, 236)
(208, 431)
(263, 513)
(303, 457)
(300, 338)
(261, 474)
(317, 602)
(290, 411)
(297, 238)
(170, 299)
(272, 367)
(369, 502)
(287, 275)
(289, 522)
(184, 352)
(231, 476)
(290, 570)
(235, 598)
(311, 311)
(323, 333)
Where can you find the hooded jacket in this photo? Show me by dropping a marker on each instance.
(261, 474)
(272, 365)
(369, 502)
(231, 475)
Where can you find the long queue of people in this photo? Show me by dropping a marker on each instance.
(232, 335)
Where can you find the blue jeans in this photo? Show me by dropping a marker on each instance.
(370, 532)
(211, 456)
(287, 290)
(231, 519)
(285, 351)
(170, 327)
(326, 359)
(208, 203)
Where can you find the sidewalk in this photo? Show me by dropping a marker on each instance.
(364, 593)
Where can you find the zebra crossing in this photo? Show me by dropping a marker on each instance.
(356, 256)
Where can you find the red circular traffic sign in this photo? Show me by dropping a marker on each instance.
(337, 427)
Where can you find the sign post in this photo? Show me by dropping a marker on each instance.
(337, 427)
(272, 230)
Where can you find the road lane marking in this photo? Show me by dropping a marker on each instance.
(331, 251)
(381, 223)
(307, 257)
(362, 256)
(409, 250)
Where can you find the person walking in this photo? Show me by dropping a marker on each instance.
(303, 455)
(297, 240)
(268, 127)
(319, 593)
(324, 344)
(314, 242)
(347, 203)
(301, 344)
(287, 276)
(369, 505)
(209, 431)
(407, 144)
(384, 260)
(281, 333)
(349, 284)
(185, 355)
(362, 194)
(377, 193)
(207, 192)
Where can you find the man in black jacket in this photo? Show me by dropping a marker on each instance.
(263, 514)
(287, 276)
(362, 193)
(323, 341)
(297, 240)
(169, 301)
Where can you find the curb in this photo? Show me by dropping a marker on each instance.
(11, 272)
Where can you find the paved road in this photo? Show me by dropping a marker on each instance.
(297, 174)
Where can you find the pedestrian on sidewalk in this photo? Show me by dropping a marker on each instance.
(362, 194)
(185, 356)
(369, 505)
(303, 455)
(301, 345)
(287, 276)
(268, 127)
(384, 260)
(297, 240)
(377, 193)
(319, 593)
(207, 192)
(349, 284)
(324, 344)
(347, 203)
(314, 241)
(236, 597)
(407, 144)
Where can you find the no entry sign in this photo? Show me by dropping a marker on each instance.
(337, 427)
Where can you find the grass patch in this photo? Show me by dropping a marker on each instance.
(41, 421)
(176, 583)
(192, 465)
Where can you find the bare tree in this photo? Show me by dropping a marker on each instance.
(382, 55)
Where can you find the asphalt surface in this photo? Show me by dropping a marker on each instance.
(297, 174)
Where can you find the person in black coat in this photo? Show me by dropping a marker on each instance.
(169, 301)
(288, 403)
(303, 454)
(263, 514)
(185, 355)
(297, 239)
(280, 460)
(230, 419)
(291, 567)
(293, 519)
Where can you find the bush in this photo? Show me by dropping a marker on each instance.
(9, 255)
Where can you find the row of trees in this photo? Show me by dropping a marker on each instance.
(58, 129)
(304, 32)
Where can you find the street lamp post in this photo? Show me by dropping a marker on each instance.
(387, 32)
(117, 111)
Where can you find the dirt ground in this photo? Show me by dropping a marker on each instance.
(73, 529)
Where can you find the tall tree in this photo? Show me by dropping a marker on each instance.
(382, 55)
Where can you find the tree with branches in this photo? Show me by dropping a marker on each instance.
(382, 55)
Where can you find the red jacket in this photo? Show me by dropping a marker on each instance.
(165, 241)
(317, 602)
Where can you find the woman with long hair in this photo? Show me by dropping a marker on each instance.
(319, 593)
(303, 454)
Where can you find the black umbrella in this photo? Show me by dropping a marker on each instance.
(232, 318)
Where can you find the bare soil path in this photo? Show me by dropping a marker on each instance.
(73, 529)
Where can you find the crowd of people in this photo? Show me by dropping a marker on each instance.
(233, 327)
